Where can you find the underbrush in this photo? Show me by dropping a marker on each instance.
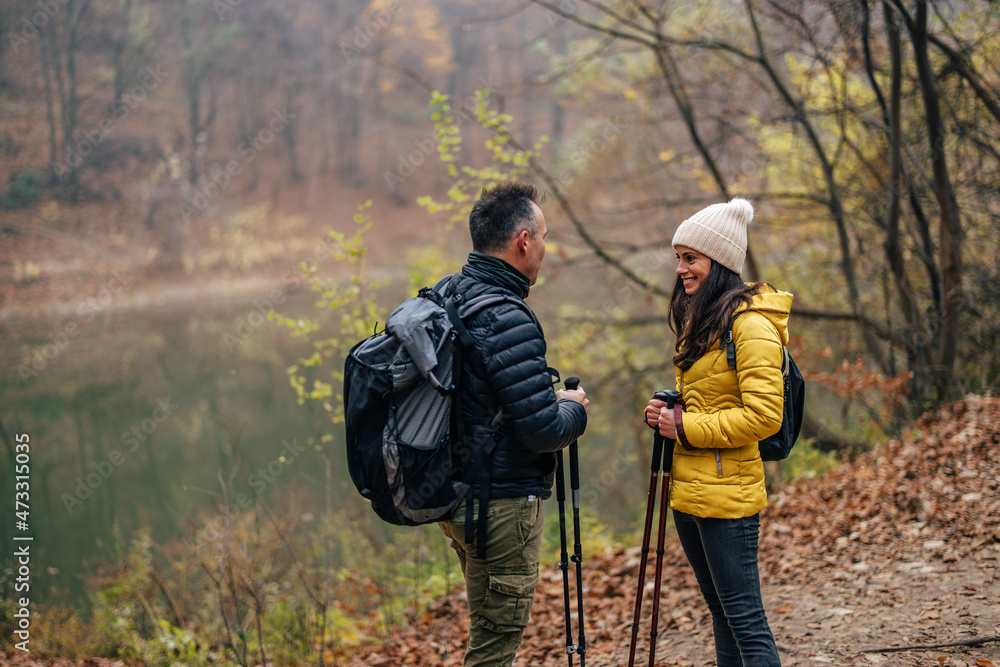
(255, 588)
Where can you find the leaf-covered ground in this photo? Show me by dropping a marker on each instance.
(898, 547)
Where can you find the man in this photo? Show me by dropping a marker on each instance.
(506, 375)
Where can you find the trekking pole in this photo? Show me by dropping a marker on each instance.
(574, 485)
(654, 473)
(563, 555)
(670, 398)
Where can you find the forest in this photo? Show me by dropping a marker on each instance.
(205, 203)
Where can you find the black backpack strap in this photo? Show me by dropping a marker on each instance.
(451, 307)
(728, 343)
(470, 508)
(479, 469)
(457, 368)
(484, 508)
(445, 285)
(480, 466)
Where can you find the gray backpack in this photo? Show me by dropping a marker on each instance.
(407, 451)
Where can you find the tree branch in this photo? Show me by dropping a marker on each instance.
(158, 580)
(553, 7)
(975, 641)
(619, 18)
(971, 76)
(501, 16)
(868, 323)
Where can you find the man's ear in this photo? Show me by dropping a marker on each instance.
(522, 241)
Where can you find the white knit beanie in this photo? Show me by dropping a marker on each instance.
(718, 232)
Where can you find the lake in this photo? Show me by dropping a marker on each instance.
(133, 414)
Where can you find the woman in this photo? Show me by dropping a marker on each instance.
(717, 475)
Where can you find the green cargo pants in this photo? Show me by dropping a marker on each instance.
(500, 588)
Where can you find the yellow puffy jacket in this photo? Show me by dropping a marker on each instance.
(728, 411)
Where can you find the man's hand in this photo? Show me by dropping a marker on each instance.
(660, 417)
(578, 395)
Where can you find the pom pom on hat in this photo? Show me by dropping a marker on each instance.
(743, 208)
(718, 232)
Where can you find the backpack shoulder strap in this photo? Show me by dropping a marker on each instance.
(727, 342)
(460, 309)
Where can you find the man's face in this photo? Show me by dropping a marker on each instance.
(536, 246)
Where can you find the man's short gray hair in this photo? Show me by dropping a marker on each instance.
(501, 212)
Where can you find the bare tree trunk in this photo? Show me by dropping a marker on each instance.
(349, 127)
(290, 136)
(248, 120)
(50, 113)
(68, 178)
(950, 232)
(558, 113)
(199, 127)
(74, 14)
(918, 359)
(323, 121)
(118, 55)
(194, 113)
(197, 70)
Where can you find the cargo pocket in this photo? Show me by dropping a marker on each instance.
(507, 606)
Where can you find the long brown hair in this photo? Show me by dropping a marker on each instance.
(699, 320)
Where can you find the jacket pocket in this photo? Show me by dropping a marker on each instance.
(507, 606)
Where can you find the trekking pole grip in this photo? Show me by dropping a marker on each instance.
(668, 396)
(572, 383)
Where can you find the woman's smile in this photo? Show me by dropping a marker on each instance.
(692, 268)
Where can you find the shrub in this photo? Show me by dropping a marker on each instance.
(25, 188)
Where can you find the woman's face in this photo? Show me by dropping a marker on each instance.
(692, 268)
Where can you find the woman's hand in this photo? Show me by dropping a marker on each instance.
(660, 417)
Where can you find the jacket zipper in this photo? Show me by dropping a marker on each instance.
(718, 451)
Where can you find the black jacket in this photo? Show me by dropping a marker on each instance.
(506, 372)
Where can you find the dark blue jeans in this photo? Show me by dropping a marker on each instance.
(723, 554)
